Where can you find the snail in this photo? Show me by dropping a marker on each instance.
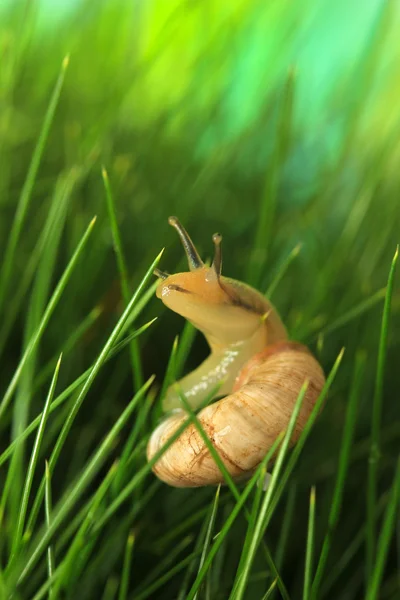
(259, 369)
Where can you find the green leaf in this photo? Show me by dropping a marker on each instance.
(123, 273)
(123, 591)
(45, 319)
(26, 193)
(309, 548)
(33, 462)
(387, 532)
(345, 450)
(376, 422)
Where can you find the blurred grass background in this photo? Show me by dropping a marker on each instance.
(275, 123)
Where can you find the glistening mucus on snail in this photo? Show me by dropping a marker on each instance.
(260, 372)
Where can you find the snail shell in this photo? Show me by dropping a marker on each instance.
(262, 371)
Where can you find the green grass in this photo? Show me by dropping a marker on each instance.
(153, 114)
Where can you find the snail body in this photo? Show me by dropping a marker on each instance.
(259, 370)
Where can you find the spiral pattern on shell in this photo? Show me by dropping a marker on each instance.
(244, 425)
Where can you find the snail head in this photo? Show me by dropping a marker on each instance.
(203, 296)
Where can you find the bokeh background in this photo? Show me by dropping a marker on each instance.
(276, 123)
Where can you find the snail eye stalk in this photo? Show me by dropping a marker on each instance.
(193, 257)
(217, 262)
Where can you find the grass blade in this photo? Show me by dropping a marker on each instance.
(310, 547)
(69, 345)
(165, 562)
(209, 532)
(228, 479)
(67, 567)
(268, 201)
(387, 532)
(48, 510)
(260, 526)
(286, 526)
(282, 270)
(123, 273)
(348, 553)
(353, 313)
(304, 435)
(87, 385)
(123, 592)
(214, 453)
(67, 393)
(148, 593)
(228, 523)
(270, 591)
(26, 192)
(63, 190)
(46, 317)
(376, 423)
(33, 462)
(345, 449)
(71, 497)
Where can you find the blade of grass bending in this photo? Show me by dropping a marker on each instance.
(123, 273)
(376, 423)
(387, 532)
(310, 547)
(33, 462)
(269, 195)
(282, 270)
(260, 526)
(230, 520)
(71, 496)
(344, 457)
(88, 383)
(46, 317)
(209, 533)
(26, 192)
(67, 393)
(304, 435)
(123, 590)
(48, 510)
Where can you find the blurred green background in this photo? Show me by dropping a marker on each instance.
(276, 123)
